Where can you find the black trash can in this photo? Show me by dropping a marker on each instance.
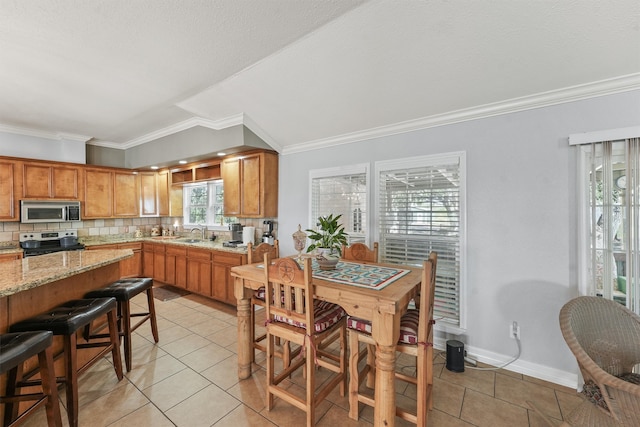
(455, 356)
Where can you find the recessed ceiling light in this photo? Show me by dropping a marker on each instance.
(183, 162)
(154, 167)
(222, 154)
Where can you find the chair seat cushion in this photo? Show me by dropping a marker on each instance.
(123, 289)
(408, 326)
(67, 318)
(594, 394)
(326, 315)
(17, 347)
(259, 294)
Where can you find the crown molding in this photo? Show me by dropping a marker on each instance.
(43, 134)
(544, 99)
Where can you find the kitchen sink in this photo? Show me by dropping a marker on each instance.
(191, 240)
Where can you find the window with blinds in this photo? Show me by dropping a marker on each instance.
(420, 208)
(342, 191)
(610, 211)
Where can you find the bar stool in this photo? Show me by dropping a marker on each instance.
(65, 320)
(16, 349)
(123, 290)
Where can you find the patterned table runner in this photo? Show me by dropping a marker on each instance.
(368, 276)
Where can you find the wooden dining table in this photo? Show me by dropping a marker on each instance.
(382, 307)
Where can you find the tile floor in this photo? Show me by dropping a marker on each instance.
(190, 379)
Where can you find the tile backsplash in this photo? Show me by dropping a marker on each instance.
(10, 231)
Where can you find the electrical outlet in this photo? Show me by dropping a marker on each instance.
(514, 330)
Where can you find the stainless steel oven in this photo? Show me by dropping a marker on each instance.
(45, 242)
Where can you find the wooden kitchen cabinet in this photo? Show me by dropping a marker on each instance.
(10, 257)
(164, 203)
(154, 193)
(47, 181)
(251, 185)
(154, 261)
(222, 287)
(199, 271)
(110, 193)
(176, 266)
(125, 193)
(98, 194)
(130, 267)
(9, 210)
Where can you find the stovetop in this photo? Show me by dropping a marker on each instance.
(47, 242)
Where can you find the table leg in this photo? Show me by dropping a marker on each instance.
(385, 330)
(244, 331)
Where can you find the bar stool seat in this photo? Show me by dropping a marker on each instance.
(123, 291)
(15, 349)
(65, 320)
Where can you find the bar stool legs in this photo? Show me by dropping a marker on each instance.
(65, 321)
(17, 348)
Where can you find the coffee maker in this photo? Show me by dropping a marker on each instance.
(236, 232)
(267, 236)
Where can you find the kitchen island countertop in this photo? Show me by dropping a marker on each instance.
(32, 272)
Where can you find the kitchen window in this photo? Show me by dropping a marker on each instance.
(203, 204)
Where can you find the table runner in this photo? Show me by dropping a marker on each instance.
(368, 276)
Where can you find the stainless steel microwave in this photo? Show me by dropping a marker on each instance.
(33, 211)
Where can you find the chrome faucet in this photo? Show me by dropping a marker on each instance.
(201, 230)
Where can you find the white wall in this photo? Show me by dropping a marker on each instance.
(521, 254)
(33, 147)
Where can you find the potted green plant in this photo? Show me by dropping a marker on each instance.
(328, 240)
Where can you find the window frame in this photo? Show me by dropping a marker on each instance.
(458, 157)
(210, 206)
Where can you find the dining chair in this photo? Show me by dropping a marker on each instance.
(256, 254)
(360, 252)
(416, 339)
(604, 337)
(300, 319)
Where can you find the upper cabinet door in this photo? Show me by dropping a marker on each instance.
(163, 193)
(98, 197)
(8, 200)
(41, 181)
(126, 193)
(148, 194)
(232, 185)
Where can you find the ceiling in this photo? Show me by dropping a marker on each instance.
(301, 73)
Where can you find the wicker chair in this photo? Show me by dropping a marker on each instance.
(604, 336)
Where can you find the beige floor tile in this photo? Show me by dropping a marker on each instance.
(243, 416)
(176, 388)
(224, 374)
(185, 345)
(337, 416)
(195, 318)
(252, 391)
(483, 411)
(204, 408)
(155, 371)
(447, 397)
(440, 419)
(169, 335)
(482, 381)
(209, 326)
(112, 406)
(205, 357)
(515, 391)
(225, 336)
(148, 415)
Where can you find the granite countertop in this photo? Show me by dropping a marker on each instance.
(170, 240)
(31, 272)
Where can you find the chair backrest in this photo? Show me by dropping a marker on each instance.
(604, 331)
(360, 252)
(289, 290)
(256, 253)
(427, 295)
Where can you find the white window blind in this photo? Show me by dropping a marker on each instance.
(420, 209)
(342, 191)
(610, 210)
